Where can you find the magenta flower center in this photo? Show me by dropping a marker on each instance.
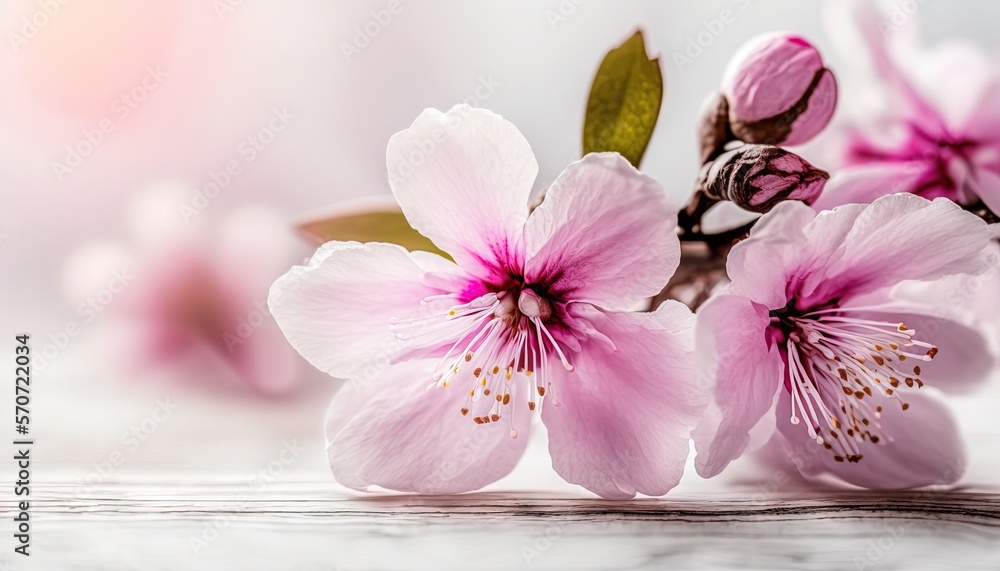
(837, 364)
(948, 159)
(492, 342)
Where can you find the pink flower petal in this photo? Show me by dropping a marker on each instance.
(983, 123)
(760, 266)
(865, 183)
(398, 435)
(831, 255)
(625, 416)
(920, 111)
(987, 185)
(954, 77)
(926, 449)
(733, 352)
(337, 310)
(906, 237)
(463, 179)
(603, 234)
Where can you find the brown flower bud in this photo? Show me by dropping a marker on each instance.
(713, 126)
(758, 177)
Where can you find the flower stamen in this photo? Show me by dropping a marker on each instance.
(837, 364)
(499, 342)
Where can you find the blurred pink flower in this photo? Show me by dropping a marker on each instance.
(533, 314)
(937, 133)
(811, 318)
(193, 305)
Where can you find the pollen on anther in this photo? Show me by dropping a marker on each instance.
(906, 405)
(506, 398)
(541, 391)
(495, 417)
(486, 392)
(499, 398)
(496, 369)
(531, 406)
(468, 356)
(465, 411)
(477, 372)
(932, 352)
(916, 370)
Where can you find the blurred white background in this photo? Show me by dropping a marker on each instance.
(215, 73)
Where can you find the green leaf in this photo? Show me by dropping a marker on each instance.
(624, 102)
(378, 221)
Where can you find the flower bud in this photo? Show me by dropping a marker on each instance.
(758, 177)
(713, 126)
(778, 91)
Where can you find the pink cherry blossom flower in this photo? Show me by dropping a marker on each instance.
(936, 131)
(193, 308)
(810, 332)
(450, 359)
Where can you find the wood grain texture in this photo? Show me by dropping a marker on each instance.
(305, 525)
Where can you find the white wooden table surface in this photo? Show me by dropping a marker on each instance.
(184, 525)
(206, 490)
